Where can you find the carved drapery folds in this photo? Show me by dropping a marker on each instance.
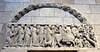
(50, 35)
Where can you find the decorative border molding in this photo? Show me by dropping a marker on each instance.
(49, 5)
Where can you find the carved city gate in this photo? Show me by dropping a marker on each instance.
(50, 35)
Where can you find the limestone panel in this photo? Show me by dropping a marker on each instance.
(76, 21)
(68, 15)
(17, 0)
(47, 12)
(68, 21)
(43, 1)
(39, 20)
(5, 19)
(81, 8)
(85, 2)
(89, 50)
(25, 20)
(54, 20)
(2, 6)
(89, 18)
(98, 1)
(1, 27)
(98, 40)
(96, 18)
(0, 14)
(1, 41)
(7, 16)
(65, 1)
(97, 28)
(59, 12)
(95, 8)
(14, 6)
(1, 0)
(33, 13)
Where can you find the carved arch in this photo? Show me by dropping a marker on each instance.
(49, 5)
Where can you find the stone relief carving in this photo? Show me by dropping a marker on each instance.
(50, 35)
(49, 5)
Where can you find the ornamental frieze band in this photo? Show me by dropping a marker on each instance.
(50, 35)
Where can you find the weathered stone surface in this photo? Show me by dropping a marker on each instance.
(59, 13)
(68, 21)
(76, 21)
(64, 1)
(68, 15)
(98, 40)
(1, 40)
(95, 18)
(43, 1)
(89, 50)
(85, 2)
(39, 20)
(5, 19)
(56, 20)
(2, 6)
(81, 8)
(25, 20)
(7, 16)
(1, 27)
(17, 0)
(33, 13)
(1, 0)
(98, 1)
(97, 28)
(47, 12)
(95, 8)
(89, 18)
(13, 7)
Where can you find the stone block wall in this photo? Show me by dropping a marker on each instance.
(90, 9)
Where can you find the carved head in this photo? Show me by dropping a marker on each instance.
(38, 26)
(23, 25)
(57, 25)
(9, 25)
(28, 25)
(34, 25)
(50, 25)
(16, 25)
(64, 25)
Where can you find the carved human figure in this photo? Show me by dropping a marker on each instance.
(34, 35)
(48, 36)
(74, 30)
(15, 34)
(86, 43)
(41, 35)
(58, 35)
(20, 34)
(9, 32)
(68, 38)
(27, 35)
